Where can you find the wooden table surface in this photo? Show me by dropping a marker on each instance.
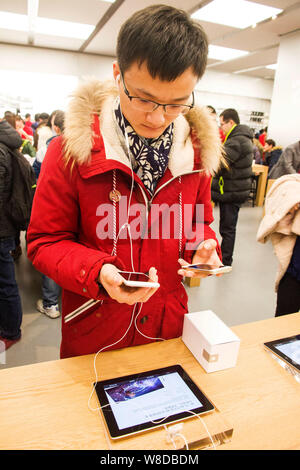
(262, 171)
(45, 405)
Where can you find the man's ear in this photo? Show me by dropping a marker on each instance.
(116, 71)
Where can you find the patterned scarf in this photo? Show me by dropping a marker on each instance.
(151, 156)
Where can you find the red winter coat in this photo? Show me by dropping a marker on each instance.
(73, 210)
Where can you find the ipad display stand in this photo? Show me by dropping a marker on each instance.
(291, 370)
(193, 431)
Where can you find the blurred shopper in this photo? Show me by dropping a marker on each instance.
(214, 113)
(20, 129)
(288, 162)
(262, 136)
(10, 302)
(272, 153)
(36, 122)
(57, 127)
(258, 150)
(281, 224)
(49, 304)
(43, 131)
(27, 125)
(231, 186)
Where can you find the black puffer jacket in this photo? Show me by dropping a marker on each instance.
(9, 137)
(234, 184)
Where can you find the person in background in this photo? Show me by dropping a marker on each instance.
(288, 162)
(20, 129)
(28, 151)
(10, 301)
(258, 150)
(57, 126)
(232, 184)
(49, 304)
(43, 131)
(262, 136)
(272, 153)
(36, 122)
(140, 138)
(28, 125)
(281, 224)
(214, 113)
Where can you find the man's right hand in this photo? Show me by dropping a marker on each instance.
(112, 281)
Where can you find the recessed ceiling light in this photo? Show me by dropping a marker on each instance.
(47, 26)
(63, 28)
(224, 53)
(13, 21)
(235, 13)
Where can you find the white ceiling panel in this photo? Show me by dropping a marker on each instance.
(214, 30)
(71, 44)
(249, 39)
(14, 6)
(78, 11)
(260, 58)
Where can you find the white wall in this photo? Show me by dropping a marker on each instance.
(245, 94)
(44, 79)
(284, 123)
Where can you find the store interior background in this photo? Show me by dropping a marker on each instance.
(38, 73)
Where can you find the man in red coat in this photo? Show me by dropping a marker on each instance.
(127, 188)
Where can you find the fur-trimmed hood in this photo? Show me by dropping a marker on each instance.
(91, 107)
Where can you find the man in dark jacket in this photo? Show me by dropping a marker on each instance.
(10, 302)
(231, 186)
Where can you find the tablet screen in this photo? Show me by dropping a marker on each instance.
(143, 401)
(288, 349)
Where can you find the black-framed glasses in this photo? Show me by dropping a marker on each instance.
(148, 106)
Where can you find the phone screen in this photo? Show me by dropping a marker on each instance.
(207, 267)
(139, 277)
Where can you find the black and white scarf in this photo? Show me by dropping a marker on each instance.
(151, 156)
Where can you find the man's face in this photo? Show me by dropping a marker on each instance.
(226, 125)
(140, 83)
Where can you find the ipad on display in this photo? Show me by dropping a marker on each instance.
(138, 402)
(287, 349)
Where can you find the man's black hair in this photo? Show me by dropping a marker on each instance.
(230, 113)
(164, 38)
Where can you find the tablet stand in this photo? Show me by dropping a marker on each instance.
(291, 370)
(193, 431)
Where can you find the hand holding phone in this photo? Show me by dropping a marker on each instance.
(207, 268)
(205, 262)
(132, 279)
(114, 283)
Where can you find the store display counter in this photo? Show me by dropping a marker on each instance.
(45, 405)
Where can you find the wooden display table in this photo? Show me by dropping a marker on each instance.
(45, 405)
(262, 172)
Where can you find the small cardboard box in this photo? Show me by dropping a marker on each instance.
(212, 343)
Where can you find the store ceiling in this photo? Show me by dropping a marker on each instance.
(261, 42)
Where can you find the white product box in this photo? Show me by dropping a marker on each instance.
(212, 343)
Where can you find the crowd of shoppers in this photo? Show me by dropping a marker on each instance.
(18, 134)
